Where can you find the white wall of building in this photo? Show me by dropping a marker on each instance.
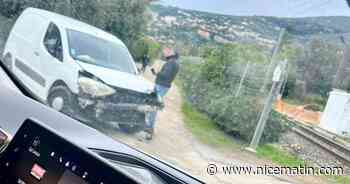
(336, 116)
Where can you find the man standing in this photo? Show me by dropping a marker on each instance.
(164, 79)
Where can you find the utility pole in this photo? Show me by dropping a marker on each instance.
(274, 92)
(273, 58)
(242, 79)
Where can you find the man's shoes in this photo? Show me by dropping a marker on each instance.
(149, 137)
(141, 136)
(146, 135)
(149, 134)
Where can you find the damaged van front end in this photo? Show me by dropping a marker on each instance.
(123, 108)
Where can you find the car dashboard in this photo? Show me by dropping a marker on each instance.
(37, 154)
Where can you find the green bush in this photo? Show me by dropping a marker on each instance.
(221, 59)
(146, 46)
(316, 100)
(236, 115)
(239, 116)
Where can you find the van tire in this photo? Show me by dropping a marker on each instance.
(61, 99)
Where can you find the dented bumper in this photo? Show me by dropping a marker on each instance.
(110, 110)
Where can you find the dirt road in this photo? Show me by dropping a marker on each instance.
(174, 143)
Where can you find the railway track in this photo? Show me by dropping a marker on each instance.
(324, 141)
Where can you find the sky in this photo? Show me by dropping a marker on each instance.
(279, 8)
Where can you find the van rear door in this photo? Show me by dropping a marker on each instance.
(28, 32)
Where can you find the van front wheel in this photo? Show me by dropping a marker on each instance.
(61, 99)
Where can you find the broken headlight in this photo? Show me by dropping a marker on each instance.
(94, 88)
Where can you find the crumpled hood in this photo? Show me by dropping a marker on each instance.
(119, 79)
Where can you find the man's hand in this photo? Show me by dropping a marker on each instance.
(153, 71)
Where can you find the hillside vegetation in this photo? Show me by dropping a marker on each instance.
(193, 28)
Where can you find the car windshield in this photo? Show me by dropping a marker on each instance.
(219, 88)
(93, 50)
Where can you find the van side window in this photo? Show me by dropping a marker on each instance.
(53, 42)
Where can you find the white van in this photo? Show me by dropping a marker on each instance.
(65, 62)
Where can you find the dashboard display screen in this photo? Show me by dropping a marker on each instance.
(38, 155)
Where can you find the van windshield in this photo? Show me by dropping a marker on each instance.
(93, 50)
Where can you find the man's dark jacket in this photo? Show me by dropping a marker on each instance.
(168, 73)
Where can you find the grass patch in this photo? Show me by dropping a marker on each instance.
(205, 129)
(278, 156)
